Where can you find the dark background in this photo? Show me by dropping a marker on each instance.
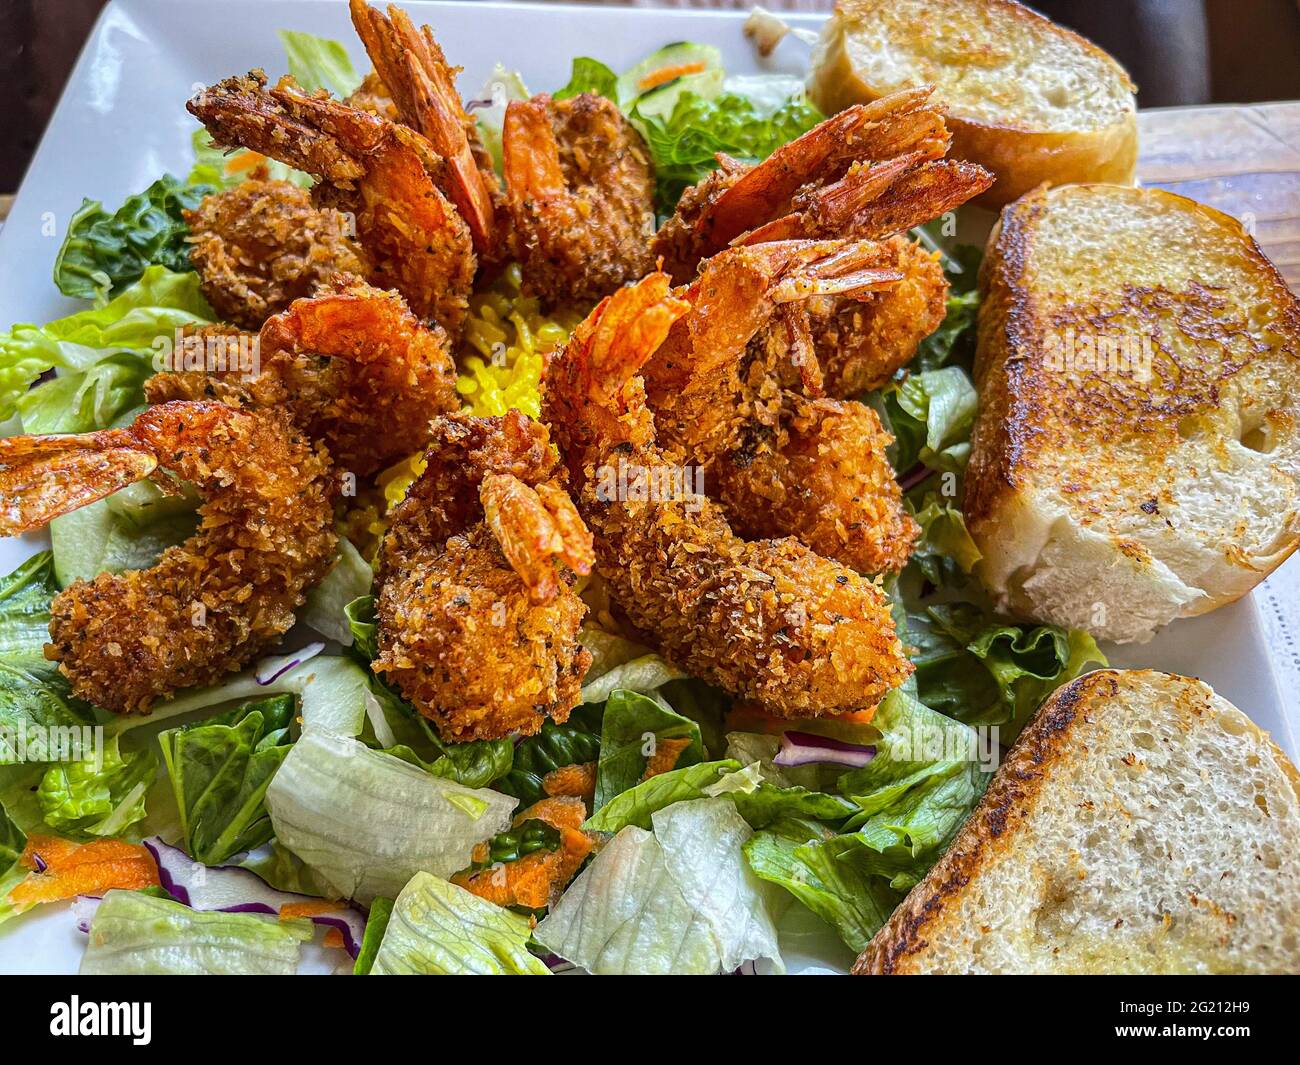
(1178, 52)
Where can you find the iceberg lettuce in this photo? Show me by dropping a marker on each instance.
(679, 900)
(134, 934)
(368, 822)
(438, 929)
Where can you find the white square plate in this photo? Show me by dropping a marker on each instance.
(122, 122)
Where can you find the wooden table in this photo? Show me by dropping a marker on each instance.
(1244, 160)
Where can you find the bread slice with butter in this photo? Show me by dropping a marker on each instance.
(1136, 456)
(1140, 824)
(1023, 97)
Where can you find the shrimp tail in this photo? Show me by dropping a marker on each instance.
(535, 527)
(44, 477)
(423, 85)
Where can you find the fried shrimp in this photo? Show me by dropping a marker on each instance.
(580, 188)
(727, 389)
(383, 173)
(769, 621)
(211, 604)
(478, 619)
(261, 245)
(870, 172)
(354, 368)
(410, 66)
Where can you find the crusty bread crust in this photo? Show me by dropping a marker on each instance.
(1071, 733)
(1102, 500)
(1021, 154)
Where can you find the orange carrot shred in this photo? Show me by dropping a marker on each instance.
(665, 757)
(578, 780)
(664, 75)
(62, 869)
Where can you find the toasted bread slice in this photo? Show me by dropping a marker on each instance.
(1136, 457)
(1026, 99)
(1141, 824)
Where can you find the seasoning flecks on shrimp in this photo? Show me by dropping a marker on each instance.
(411, 67)
(353, 366)
(728, 389)
(769, 621)
(478, 619)
(211, 604)
(382, 172)
(262, 244)
(580, 188)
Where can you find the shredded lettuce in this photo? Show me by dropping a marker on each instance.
(381, 910)
(368, 822)
(103, 253)
(438, 929)
(679, 900)
(637, 805)
(25, 597)
(589, 75)
(220, 770)
(136, 934)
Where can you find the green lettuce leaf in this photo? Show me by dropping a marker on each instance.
(25, 597)
(684, 142)
(572, 743)
(931, 415)
(104, 253)
(945, 554)
(220, 770)
(326, 609)
(157, 305)
(368, 822)
(439, 929)
(319, 63)
(792, 854)
(760, 803)
(637, 805)
(631, 730)
(381, 910)
(101, 795)
(12, 842)
(981, 670)
(135, 934)
(589, 75)
(681, 900)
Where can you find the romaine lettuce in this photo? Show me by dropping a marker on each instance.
(319, 63)
(102, 253)
(220, 770)
(439, 929)
(102, 794)
(326, 608)
(135, 934)
(631, 730)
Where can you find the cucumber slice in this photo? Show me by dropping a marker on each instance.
(654, 85)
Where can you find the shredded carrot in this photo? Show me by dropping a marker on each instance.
(241, 161)
(664, 75)
(665, 757)
(578, 780)
(558, 811)
(533, 881)
(62, 869)
(313, 908)
(333, 938)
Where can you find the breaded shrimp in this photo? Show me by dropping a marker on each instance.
(211, 604)
(382, 172)
(354, 368)
(724, 387)
(413, 70)
(768, 621)
(478, 619)
(261, 245)
(580, 189)
(869, 172)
